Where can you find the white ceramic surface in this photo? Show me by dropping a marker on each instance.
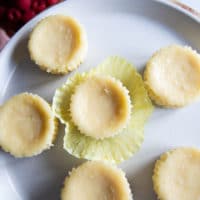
(189, 7)
(129, 28)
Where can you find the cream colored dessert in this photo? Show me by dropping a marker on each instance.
(112, 91)
(100, 106)
(96, 181)
(172, 76)
(27, 125)
(177, 175)
(58, 44)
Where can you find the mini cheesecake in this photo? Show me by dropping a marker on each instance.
(104, 111)
(58, 44)
(27, 125)
(100, 107)
(177, 175)
(94, 181)
(172, 76)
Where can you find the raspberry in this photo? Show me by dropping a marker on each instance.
(28, 15)
(38, 5)
(41, 7)
(34, 5)
(14, 15)
(52, 2)
(2, 11)
(23, 4)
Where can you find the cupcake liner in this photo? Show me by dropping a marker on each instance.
(125, 72)
(115, 149)
(56, 127)
(121, 146)
(62, 97)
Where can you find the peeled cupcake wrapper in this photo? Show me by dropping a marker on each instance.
(62, 97)
(128, 141)
(132, 80)
(114, 149)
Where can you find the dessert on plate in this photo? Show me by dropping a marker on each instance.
(105, 102)
(104, 111)
(27, 125)
(58, 44)
(177, 174)
(96, 180)
(172, 76)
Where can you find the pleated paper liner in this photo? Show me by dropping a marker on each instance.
(121, 146)
(114, 149)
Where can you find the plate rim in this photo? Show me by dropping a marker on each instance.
(169, 3)
(182, 7)
(173, 4)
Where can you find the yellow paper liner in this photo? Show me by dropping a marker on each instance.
(128, 141)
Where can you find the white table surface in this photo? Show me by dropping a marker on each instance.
(6, 189)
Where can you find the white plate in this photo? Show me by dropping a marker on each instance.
(189, 7)
(129, 28)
